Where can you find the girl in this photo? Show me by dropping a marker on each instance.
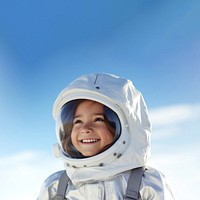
(103, 132)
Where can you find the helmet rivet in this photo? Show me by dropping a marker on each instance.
(119, 155)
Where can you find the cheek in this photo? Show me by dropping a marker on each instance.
(108, 137)
(73, 137)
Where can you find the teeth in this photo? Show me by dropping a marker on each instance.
(89, 140)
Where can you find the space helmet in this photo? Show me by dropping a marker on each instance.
(125, 112)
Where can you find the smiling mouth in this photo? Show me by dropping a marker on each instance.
(89, 141)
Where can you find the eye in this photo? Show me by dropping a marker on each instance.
(99, 119)
(77, 121)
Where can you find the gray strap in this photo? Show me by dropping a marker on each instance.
(62, 186)
(133, 187)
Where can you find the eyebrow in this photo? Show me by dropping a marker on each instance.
(77, 116)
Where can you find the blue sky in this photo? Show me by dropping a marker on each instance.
(44, 45)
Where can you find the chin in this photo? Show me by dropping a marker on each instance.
(89, 154)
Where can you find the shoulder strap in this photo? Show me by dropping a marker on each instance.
(132, 192)
(133, 187)
(62, 186)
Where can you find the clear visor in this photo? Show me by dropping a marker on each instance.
(66, 121)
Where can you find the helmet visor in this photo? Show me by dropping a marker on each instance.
(65, 126)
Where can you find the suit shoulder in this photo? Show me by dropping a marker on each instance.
(53, 178)
(49, 186)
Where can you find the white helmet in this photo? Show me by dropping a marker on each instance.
(125, 109)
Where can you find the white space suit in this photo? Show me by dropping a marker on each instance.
(104, 176)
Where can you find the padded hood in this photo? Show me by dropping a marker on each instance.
(131, 150)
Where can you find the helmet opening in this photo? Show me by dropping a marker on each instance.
(65, 126)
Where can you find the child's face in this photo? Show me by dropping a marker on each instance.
(90, 134)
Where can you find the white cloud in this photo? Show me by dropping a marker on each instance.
(176, 149)
(170, 121)
(174, 114)
(22, 174)
(182, 170)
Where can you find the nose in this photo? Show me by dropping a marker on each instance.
(87, 128)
